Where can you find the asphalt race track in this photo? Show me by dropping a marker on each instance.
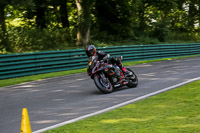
(53, 101)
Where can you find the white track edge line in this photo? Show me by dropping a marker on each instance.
(116, 106)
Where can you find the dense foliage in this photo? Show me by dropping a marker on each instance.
(35, 25)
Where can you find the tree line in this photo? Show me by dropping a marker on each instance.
(31, 25)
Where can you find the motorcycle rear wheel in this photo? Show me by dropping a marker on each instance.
(103, 83)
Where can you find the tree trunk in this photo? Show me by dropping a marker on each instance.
(3, 35)
(191, 16)
(64, 13)
(40, 14)
(84, 22)
(2, 19)
(199, 15)
(142, 22)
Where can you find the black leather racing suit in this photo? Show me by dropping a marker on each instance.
(114, 60)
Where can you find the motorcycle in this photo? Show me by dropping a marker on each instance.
(107, 76)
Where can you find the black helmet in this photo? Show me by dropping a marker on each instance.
(90, 50)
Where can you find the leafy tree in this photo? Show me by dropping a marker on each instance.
(113, 17)
(105, 20)
(58, 13)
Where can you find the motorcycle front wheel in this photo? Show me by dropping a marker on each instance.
(133, 81)
(103, 83)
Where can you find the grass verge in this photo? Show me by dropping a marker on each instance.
(19, 80)
(175, 111)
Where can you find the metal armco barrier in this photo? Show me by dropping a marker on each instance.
(17, 65)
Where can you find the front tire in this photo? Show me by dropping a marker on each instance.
(103, 83)
(133, 81)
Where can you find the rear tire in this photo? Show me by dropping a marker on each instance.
(133, 82)
(104, 86)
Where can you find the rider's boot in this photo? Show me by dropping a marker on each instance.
(125, 71)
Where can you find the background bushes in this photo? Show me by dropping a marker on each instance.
(39, 25)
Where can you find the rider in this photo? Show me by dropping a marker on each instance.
(91, 51)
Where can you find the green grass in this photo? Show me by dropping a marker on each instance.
(175, 111)
(14, 81)
(19, 80)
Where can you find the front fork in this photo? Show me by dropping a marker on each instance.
(102, 78)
